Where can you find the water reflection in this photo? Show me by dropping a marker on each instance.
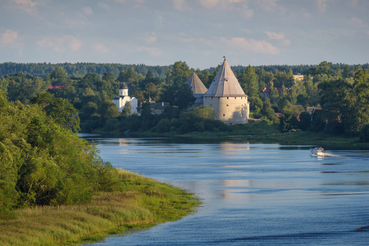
(264, 194)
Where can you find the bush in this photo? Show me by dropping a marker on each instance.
(43, 163)
(364, 133)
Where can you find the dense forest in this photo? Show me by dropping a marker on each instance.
(339, 92)
(81, 69)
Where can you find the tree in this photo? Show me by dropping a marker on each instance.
(288, 121)
(108, 110)
(59, 109)
(184, 98)
(305, 121)
(335, 105)
(249, 82)
(127, 110)
(178, 75)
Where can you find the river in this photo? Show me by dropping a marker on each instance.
(253, 194)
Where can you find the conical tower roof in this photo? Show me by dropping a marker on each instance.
(225, 84)
(196, 85)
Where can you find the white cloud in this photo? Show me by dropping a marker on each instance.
(9, 37)
(271, 6)
(250, 46)
(356, 22)
(100, 48)
(61, 44)
(278, 36)
(103, 6)
(25, 5)
(151, 38)
(322, 5)
(209, 3)
(213, 3)
(246, 11)
(273, 35)
(151, 50)
(181, 5)
(238, 6)
(87, 11)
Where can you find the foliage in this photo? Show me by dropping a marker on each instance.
(90, 88)
(364, 133)
(288, 121)
(127, 111)
(141, 202)
(41, 162)
(59, 109)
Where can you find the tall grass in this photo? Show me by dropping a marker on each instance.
(143, 202)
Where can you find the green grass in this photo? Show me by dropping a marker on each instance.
(143, 203)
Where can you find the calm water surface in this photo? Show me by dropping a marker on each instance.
(253, 194)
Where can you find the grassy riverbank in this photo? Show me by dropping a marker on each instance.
(143, 203)
(260, 132)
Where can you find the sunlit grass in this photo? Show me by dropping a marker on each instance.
(144, 202)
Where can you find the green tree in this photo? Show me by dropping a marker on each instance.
(59, 109)
(178, 75)
(249, 82)
(184, 97)
(108, 110)
(288, 121)
(127, 110)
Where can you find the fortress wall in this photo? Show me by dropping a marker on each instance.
(230, 110)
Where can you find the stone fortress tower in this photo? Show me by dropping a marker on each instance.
(198, 88)
(226, 96)
(123, 98)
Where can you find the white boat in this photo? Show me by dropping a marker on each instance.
(318, 151)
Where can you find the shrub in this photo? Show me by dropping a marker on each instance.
(364, 133)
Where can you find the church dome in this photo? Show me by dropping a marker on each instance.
(123, 86)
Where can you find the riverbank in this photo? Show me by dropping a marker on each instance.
(143, 203)
(260, 133)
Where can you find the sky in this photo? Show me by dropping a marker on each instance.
(199, 32)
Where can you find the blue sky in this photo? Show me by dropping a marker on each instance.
(200, 32)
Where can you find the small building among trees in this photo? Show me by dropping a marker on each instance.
(124, 100)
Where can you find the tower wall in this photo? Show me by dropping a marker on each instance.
(230, 110)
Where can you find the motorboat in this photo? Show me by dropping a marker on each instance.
(317, 151)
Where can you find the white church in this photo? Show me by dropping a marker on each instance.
(123, 98)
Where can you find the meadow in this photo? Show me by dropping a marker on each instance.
(142, 203)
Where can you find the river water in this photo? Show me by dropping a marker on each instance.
(253, 194)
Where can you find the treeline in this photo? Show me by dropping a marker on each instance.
(92, 95)
(79, 69)
(42, 162)
(82, 68)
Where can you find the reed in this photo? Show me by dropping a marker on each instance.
(143, 202)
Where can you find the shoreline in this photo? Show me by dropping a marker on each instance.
(143, 203)
(325, 140)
